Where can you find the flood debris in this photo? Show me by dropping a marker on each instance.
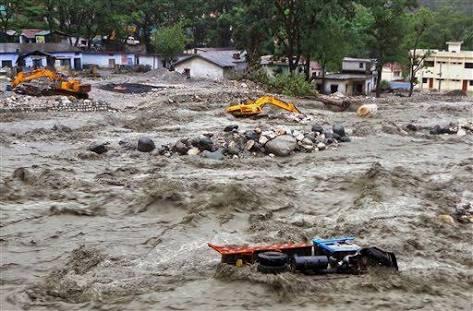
(279, 141)
(330, 256)
(17, 104)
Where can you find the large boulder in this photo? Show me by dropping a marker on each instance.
(230, 128)
(180, 148)
(99, 148)
(216, 155)
(339, 130)
(281, 146)
(444, 128)
(203, 143)
(146, 144)
(317, 128)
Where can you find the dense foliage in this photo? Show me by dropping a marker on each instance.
(300, 30)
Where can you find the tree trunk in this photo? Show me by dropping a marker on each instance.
(307, 69)
(412, 74)
(323, 80)
(378, 80)
(412, 81)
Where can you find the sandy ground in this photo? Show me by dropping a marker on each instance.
(128, 230)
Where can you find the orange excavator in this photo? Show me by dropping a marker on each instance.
(48, 82)
(255, 107)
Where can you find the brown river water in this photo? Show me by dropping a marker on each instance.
(129, 231)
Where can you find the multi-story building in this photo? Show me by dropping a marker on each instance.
(446, 70)
(358, 77)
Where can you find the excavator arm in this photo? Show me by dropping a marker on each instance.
(23, 77)
(255, 107)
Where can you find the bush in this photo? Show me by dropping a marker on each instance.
(259, 76)
(291, 85)
(384, 85)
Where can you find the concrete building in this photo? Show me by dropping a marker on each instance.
(446, 70)
(212, 64)
(108, 59)
(37, 54)
(356, 78)
(392, 72)
(274, 66)
(152, 60)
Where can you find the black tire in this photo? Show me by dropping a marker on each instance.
(271, 269)
(273, 259)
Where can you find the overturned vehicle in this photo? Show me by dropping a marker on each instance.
(323, 256)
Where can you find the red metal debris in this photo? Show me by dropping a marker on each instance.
(231, 253)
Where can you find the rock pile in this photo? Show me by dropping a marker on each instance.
(17, 103)
(282, 142)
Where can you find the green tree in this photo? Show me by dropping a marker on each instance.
(386, 32)
(418, 25)
(251, 29)
(169, 42)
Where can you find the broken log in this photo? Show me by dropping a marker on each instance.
(338, 103)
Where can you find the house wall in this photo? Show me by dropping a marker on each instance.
(202, 69)
(68, 55)
(151, 60)
(346, 86)
(390, 75)
(342, 86)
(102, 59)
(8, 57)
(355, 66)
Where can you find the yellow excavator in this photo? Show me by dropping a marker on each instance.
(57, 83)
(255, 107)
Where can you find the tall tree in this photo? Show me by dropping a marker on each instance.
(418, 24)
(386, 32)
(251, 28)
(169, 42)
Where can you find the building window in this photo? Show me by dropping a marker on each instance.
(333, 88)
(7, 63)
(468, 65)
(429, 64)
(397, 73)
(471, 82)
(361, 65)
(424, 80)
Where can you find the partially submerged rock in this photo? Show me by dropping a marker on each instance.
(146, 144)
(281, 146)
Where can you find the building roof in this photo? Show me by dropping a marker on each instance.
(360, 60)
(30, 33)
(221, 57)
(22, 48)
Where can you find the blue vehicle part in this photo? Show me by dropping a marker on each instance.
(338, 247)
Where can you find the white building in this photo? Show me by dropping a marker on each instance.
(212, 64)
(392, 72)
(356, 78)
(446, 70)
(151, 60)
(37, 54)
(108, 59)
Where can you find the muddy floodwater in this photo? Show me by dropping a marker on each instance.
(127, 230)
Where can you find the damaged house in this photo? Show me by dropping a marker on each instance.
(358, 77)
(211, 63)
